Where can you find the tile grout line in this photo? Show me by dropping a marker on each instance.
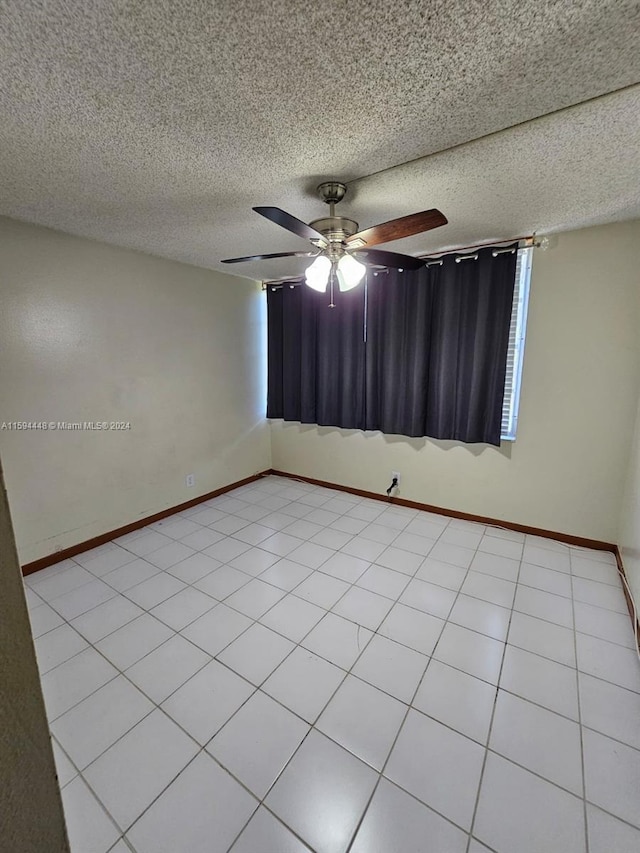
(582, 755)
(204, 748)
(172, 780)
(213, 657)
(493, 713)
(201, 748)
(355, 832)
(312, 726)
(80, 776)
(380, 773)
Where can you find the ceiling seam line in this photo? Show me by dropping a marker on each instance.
(492, 133)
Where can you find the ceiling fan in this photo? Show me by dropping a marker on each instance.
(343, 252)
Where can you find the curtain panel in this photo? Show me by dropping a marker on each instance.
(414, 353)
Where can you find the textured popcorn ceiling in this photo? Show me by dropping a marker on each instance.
(158, 125)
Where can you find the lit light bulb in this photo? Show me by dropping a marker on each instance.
(349, 272)
(317, 275)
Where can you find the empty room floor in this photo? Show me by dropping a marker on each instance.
(288, 668)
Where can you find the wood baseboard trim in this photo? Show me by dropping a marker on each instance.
(635, 621)
(72, 550)
(567, 538)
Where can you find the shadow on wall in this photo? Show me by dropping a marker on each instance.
(256, 432)
(416, 444)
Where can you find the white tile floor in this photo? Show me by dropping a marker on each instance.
(203, 699)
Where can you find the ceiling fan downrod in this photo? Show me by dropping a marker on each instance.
(335, 229)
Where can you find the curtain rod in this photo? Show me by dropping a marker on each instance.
(528, 241)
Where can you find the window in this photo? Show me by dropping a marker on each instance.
(515, 352)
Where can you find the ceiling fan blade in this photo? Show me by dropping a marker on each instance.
(286, 220)
(396, 229)
(266, 257)
(387, 259)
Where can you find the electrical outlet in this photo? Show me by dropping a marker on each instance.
(395, 475)
(191, 480)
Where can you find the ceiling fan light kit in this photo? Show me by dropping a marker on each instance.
(349, 272)
(342, 252)
(317, 275)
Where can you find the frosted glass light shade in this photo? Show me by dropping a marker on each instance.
(317, 275)
(349, 272)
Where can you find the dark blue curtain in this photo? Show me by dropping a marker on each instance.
(316, 357)
(432, 364)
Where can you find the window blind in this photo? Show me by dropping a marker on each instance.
(515, 351)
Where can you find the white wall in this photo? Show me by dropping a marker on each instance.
(566, 470)
(629, 536)
(89, 332)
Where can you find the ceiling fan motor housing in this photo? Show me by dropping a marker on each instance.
(335, 228)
